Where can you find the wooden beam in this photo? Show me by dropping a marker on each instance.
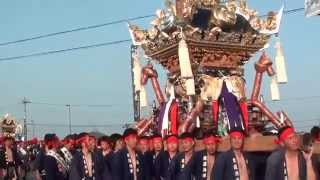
(256, 144)
(261, 143)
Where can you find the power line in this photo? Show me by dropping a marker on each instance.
(305, 120)
(295, 99)
(56, 125)
(293, 10)
(87, 46)
(110, 105)
(75, 30)
(74, 105)
(103, 25)
(65, 50)
(304, 127)
(290, 11)
(74, 125)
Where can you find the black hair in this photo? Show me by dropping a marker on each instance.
(144, 137)
(114, 138)
(306, 139)
(315, 132)
(83, 134)
(129, 131)
(49, 137)
(186, 135)
(210, 133)
(198, 133)
(156, 136)
(104, 139)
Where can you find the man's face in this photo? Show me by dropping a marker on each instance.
(211, 148)
(86, 142)
(172, 146)
(187, 145)
(92, 143)
(119, 145)
(70, 145)
(292, 142)
(236, 142)
(143, 146)
(157, 144)
(104, 145)
(56, 144)
(151, 147)
(131, 141)
(199, 145)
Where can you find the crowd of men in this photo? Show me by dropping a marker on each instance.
(130, 157)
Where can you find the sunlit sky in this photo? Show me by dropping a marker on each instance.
(101, 76)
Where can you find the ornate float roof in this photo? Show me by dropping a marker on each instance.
(218, 34)
(8, 126)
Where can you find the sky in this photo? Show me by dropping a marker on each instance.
(101, 76)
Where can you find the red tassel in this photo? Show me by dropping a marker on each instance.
(215, 112)
(173, 117)
(245, 114)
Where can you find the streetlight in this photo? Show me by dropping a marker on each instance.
(69, 117)
(25, 129)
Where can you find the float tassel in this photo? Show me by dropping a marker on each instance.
(171, 91)
(184, 60)
(198, 122)
(137, 83)
(280, 64)
(190, 87)
(136, 73)
(275, 94)
(185, 67)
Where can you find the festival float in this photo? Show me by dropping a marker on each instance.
(204, 46)
(10, 127)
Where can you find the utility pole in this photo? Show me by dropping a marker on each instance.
(69, 117)
(25, 128)
(33, 128)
